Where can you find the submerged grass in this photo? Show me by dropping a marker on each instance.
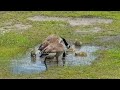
(16, 42)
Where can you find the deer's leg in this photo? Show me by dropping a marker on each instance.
(63, 59)
(57, 60)
(64, 55)
(45, 63)
(57, 55)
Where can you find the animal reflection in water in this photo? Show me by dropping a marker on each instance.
(54, 44)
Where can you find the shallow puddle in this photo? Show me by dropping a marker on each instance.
(72, 60)
(28, 65)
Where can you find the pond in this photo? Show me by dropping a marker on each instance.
(26, 64)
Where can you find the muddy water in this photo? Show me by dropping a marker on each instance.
(28, 65)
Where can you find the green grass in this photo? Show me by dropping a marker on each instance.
(14, 43)
(104, 14)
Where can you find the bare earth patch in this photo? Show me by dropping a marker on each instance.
(72, 21)
(21, 26)
(106, 39)
(8, 27)
(93, 30)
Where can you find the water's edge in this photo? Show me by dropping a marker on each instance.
(28, 65)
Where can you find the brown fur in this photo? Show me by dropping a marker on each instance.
(50, 39)
(55, 48)
(52, 45)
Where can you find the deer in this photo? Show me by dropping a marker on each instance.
(54, 44)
